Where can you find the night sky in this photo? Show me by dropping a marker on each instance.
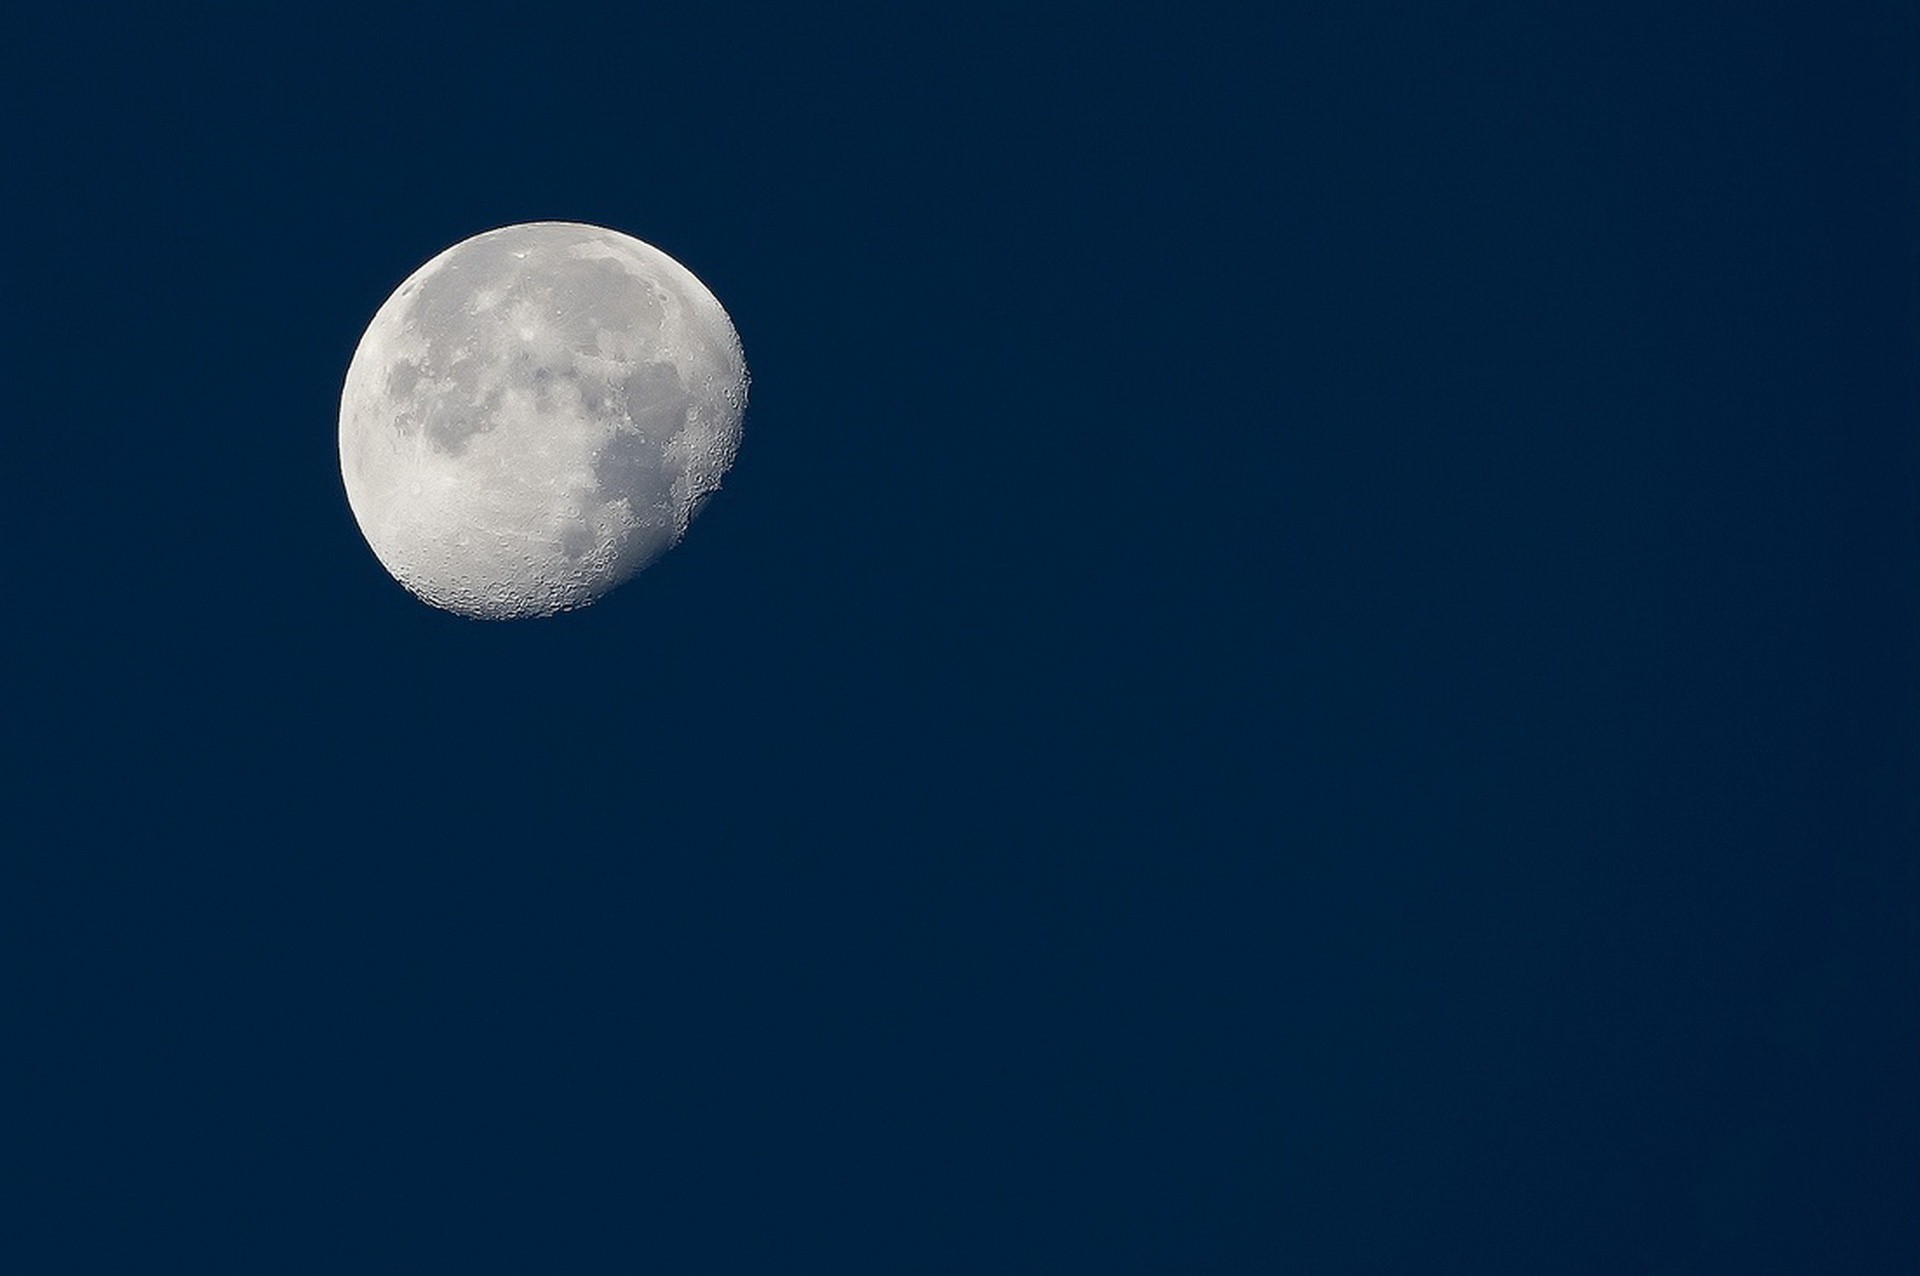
(1309, 664)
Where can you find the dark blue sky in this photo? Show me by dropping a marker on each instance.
(1309, 664)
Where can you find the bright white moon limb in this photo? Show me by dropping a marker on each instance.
(535, 415)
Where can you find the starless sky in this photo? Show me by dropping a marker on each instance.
(1308, 664)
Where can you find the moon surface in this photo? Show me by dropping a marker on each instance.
(535, 415)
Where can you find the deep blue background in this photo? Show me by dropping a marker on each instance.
(1309, 664)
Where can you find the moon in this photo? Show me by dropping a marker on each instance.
(535, 415)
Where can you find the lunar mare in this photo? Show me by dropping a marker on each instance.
(535, 415)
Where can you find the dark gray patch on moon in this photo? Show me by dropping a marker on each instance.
(656, 401)
(630, 466)
(401, 379)
(449, 424)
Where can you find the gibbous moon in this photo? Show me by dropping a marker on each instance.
(535, 415)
